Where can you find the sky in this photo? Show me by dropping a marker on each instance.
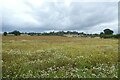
(89, 16)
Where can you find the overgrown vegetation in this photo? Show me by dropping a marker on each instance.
(59, 57)
(107, 33)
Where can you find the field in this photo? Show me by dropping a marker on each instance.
(59, 57)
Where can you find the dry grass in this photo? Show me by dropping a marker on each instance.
(55, 56)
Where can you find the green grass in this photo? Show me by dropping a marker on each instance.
(59, 57)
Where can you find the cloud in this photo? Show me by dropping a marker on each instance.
(39, 15)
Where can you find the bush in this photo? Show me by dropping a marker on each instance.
(5, 33)
(116, 36)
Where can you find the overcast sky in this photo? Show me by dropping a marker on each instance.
(55, 15)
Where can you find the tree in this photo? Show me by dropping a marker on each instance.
(5, 33)
(108, 32)
(16, 33)
(101, 35)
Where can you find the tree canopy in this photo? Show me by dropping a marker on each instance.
(108, 32)
(15, 32)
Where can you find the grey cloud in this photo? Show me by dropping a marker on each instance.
(94, 14)
(58, 16)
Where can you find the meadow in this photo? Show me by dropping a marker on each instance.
(59, 57)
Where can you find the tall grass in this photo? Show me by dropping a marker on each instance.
(59, 57)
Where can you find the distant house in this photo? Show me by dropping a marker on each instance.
(25, 35)
(73, 35)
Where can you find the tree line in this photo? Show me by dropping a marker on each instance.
(107, 33)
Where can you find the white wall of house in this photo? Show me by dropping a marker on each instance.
(73, 35)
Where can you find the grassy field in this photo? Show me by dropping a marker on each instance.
(59, 57)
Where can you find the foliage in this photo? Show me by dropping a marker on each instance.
(116, 36)
(5, 33)
(15, 32)
(108, 32)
